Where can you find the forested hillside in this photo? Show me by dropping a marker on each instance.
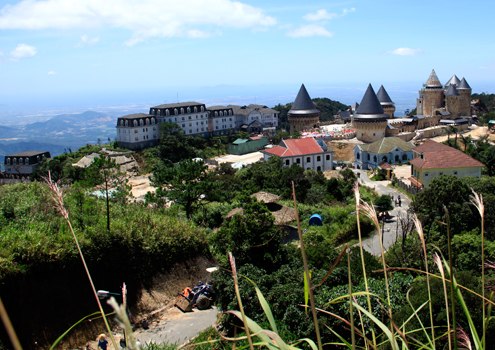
(211, 211)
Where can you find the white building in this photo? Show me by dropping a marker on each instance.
(221, 120)
(308, 153)
(255, 118)
(192, 117)
(24, 163)
(137, 131)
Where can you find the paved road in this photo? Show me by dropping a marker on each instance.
(392, 229)
(179, 327)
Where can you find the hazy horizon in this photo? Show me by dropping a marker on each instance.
(403, 94)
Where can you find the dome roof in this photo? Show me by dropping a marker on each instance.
(433, 81)
(383, 97)
(370, 109)
(303, 104)
(463, 85)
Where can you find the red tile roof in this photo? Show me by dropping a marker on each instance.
(439, 156)
(296, 147)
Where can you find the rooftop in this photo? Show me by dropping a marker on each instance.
(433, 81)
(26, 154)
(303, 103)
(179, 104)
(386, 145)
(383, 96)
(296, 147)
(439, 156)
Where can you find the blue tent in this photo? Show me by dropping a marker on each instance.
(315, 220)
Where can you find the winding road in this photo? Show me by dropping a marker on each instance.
(392, 229)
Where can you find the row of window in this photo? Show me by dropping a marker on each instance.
(141, 122)
(384, 158)
(308, 159)
(159, 111)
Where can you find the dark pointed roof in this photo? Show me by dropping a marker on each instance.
(383, 96)
(433, 81)
(370, 108)
(451, 91)
(463, 85)
(452, 81)
(369, 104)
(303, 104)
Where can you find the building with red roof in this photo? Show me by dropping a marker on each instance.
(308, 153)
(432, 159)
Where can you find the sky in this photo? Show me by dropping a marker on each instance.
(95, 52)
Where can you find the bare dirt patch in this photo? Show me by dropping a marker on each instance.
(342, 150)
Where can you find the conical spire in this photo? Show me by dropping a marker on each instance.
(383, 96)
(453, 81)
(433, 81)
(463, 85)
(451, 91)
(369, 104)
(303, 101)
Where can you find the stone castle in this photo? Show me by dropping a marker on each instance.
(437, 106)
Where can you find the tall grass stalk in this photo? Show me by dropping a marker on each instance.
(239, 300)
(370, 212)
(58, 200)
(452, 296)
(357, 196)
(16, 344)
(351, 310)
(438, 262)
(419, 230)
(307, 275)
(477, 201)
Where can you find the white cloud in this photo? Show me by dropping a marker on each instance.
(52, 72)
(144, 19)
(309, 31)
(324, 15)
(23, 51)
(86, 40)
(405, 51)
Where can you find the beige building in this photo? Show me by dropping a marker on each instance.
(432, 159)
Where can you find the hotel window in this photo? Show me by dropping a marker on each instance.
(287, 162)
(318, 158)
(308, 159)
(298, 160)
(327, 157)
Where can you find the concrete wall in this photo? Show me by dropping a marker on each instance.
(316, 162)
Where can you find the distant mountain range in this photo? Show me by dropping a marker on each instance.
(58, 133)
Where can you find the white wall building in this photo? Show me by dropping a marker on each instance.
(308, 153)
(192, 117)
(221, 120)
(137, 131)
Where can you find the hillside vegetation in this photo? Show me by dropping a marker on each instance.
(210, 212)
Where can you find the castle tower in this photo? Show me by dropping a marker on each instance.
(465, 98)
(452, 101)
(370, 121)
(431, 96)
(303, 114)
(386, 102)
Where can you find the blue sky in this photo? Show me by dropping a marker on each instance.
(136, 50)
